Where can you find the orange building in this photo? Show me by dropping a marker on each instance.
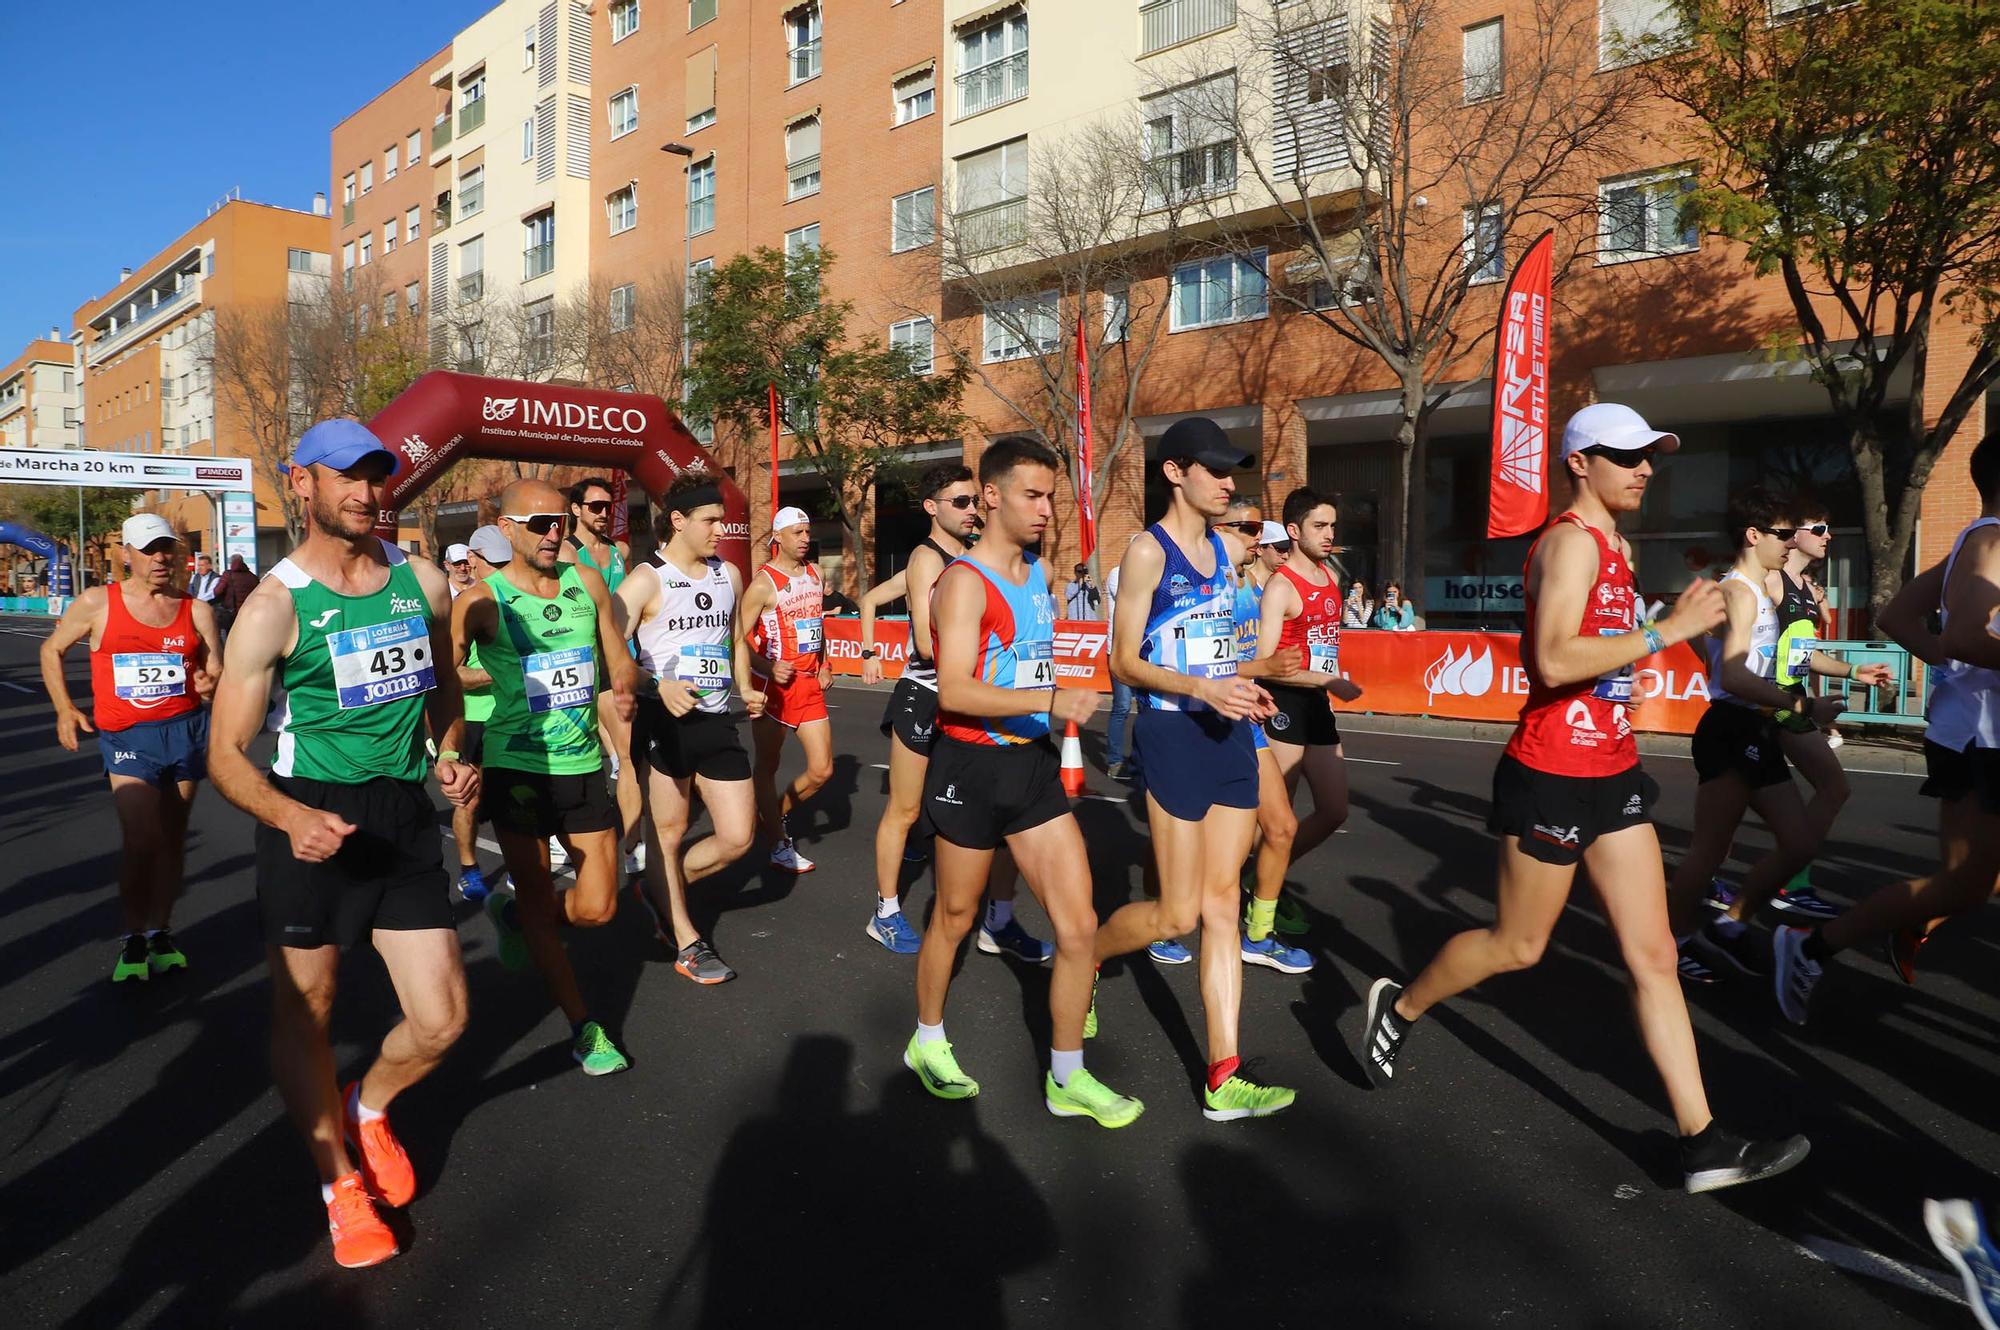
(384, 160)
(38, 396)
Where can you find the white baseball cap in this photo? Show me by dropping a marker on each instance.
(143, 529)
(491, 546)
(789, 517)
(455, 553)
(1273, 534)
(1612, 425)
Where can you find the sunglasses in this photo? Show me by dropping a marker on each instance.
(1781, 532)
(539, 523)
(1250, 529)
(1816, 529)
(961, 501)
(1628, 458)
(598, 506)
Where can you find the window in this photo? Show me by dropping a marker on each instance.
(367, 177)
(1309, 124)
(912, 219)
(472, 102)
(472, 269)
(700, 89)
(624, 112)
(701, 196)
(623, 209)
(1164, 23)
(297, 260)
(802, 42)
(993, 65)
(1484, 77)
(700, 274)
(413, 225)
(413, 149)
(1190, 141)
(1117, 313)
(367, 250)
(802, 158)
(366, 320)
(538, 244)
(472, 193)
(623, 300)
(389, 236)
(541, 329)
(991, 200)
(803, 239)
(528, 36)
(1642, 216)
(1229, 289)
(917, 337)
(528, 139)
(389, 162)
(347, 190)
(1485, 245)
(624, 19)
(412, 295)
(1624, 27)
(700, 12)
(472, 350)
(915, 95)
(1028, 326)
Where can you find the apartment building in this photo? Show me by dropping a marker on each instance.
(386, 161)
(145, 345)
(40, 405)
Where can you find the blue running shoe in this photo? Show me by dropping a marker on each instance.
(472, 885)
(1015, 941)
(895, 933)
(1276, 955)
(1959, 1229)
(1169, 951)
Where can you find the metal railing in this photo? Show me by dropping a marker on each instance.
(805, 61)
(802, 177)
(1003, 81)
(472, 286)
(441, 132)
(993, 227)
(537, 260)
(1902, 702)
(1165, 23)
(347, 213)
(471, 116)
(144, 317)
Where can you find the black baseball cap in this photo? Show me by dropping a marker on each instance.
(1200, 439)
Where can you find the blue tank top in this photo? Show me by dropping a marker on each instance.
(1017, 633)
(1191, 625)
(1249, 616)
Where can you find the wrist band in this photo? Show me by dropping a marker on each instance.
(449, 755)
(1654, 642)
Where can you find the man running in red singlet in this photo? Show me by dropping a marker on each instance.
(1569, 790)
(154, 657)
(782, 613)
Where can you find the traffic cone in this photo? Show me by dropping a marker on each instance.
(1072, 762)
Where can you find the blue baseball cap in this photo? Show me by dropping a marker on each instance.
(340, 443)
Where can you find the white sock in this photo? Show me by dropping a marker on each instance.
(1729, 928)
(930, 1034)
(1062, 1065)
(326, 1193)
(154, 932)
(362, 1113)
(887, 906)
(998, 915)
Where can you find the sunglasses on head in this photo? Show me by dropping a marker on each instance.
(1781, 532)
(598, 506)
(1250, 529)
(539, 523)
(961, 501)
(1628, 458)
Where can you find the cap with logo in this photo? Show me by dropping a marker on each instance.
(789, 517)
(1616, 426)
(339, 444)
(456, 553)
(490, 545)
(1200, 439)
(143, 530)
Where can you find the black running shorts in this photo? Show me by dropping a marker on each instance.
(1556, 818)
(977, 795)
(912, 715)
(1735, 740)
(534, 803)
(701, 743)
(1951, 776)
(1305, 717)
(389, 874)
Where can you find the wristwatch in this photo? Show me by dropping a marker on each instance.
(868, 653)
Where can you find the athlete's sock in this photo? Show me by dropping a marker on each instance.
(361, 1111)
(1218, 1072)
(326, 1193)
(1063, 1065)
(1801, 880)
(930, 1034)
(998, 915)
(1727, 927)
(888, 905)
(1263, 916)
(152, 933)
(1814, 948)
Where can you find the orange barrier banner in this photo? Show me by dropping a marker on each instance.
(1455, 676)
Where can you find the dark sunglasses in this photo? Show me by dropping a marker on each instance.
(598, 506)
(1250, 529)
(1628, 458)
(961, 501)
(1781, 532)
(1816, 529)
(539, 523)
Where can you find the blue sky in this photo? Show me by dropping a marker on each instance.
(144, 112)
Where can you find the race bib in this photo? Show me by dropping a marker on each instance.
(145, 676)
(558, 680)
(1323, 657)
(1035, 664)
(1614, 685)
(1207, 646)
(381, 663)
(704, 666)
(809, 635)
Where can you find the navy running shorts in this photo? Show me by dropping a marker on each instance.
(1192, 761)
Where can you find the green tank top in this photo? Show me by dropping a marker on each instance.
(478, 701)
(612, 575)
(352, 709)
(544, 665)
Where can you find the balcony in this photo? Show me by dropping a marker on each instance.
(106, 343)
(471, 116)
(441, 213)
(472, 287)
(1190, 174)
(347, 213)
(1164, 23)
(538, 260)
(805, 61)
(802, 177)
(994, 227)
(441, 132)
(1003, 81)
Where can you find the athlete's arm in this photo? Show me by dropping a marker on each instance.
(1139, 576)
(753, 699)
(760, 596)
(474, 619)
(1734, 673)
(1906, 619)
(632, 602)
(1561, 578)
(611, 650)
(444, 705)
(959, 599)
(882, 594)
(79, 621)
(203, 616)
(1281, 603)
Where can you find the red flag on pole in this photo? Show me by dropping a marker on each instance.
(1086, 509)
(621, 525)
(775, 505)
(1520, 492)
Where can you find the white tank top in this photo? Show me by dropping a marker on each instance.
(1965, 699)
(689, 638)
(1762, 658)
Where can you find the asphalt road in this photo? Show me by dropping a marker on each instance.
(768, 1161)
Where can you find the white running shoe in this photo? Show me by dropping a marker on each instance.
(558, 857)
(635, 860)
(787, 857)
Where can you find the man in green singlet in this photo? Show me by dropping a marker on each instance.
(542, 628)
(356, 635)
(591, 506)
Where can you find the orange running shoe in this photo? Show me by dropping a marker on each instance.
(387, 1169)
(1903, 946)
(360, 1238)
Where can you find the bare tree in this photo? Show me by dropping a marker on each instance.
(1386, 168)
(631, 333)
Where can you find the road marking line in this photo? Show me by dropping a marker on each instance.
(1860, 1261)
(1103, 798)
(17, 687)
(567, 870)
(878, 766)
(1375, 761)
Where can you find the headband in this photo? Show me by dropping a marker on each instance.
(699, 497)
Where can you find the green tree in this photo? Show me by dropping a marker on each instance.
(51, 510)
(853, 406)
(1853, 152)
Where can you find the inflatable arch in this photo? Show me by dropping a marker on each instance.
(39, 545)
(445, 416)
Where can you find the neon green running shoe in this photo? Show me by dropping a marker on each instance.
(938, 1069)
(1241, 1098)
(1090, 1017)
(1087, 1097)
(131, 963)
(163, 953)
(500, 908)
(595, 1053)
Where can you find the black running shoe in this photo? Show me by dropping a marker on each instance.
(1382, 1038)
(1742, 951)
(1717, 1158)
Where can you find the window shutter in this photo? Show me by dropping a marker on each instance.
(1308, 133)
(545, 50)
(700, 82)
(579, 43)
(545, 140)
(577, 141)
(802, 139)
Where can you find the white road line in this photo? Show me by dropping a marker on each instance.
(1104, 798)
(878, 766)
(1860, 1261)
(485, 844)
(1374, 761)
(17, 687)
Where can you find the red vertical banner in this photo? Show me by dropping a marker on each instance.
(621, 520)
(1520, 492)
(775, 505)
(1086, 508)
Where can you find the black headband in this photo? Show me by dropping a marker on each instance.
(699, 497)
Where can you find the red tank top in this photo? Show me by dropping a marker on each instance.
(1316, 630)
(1580, 729)
(139, 672)
(790, 629)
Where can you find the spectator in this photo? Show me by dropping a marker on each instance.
(1395, 613)
(203, 585)
(1359, 607)
(234, 589)
(1081, 597)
